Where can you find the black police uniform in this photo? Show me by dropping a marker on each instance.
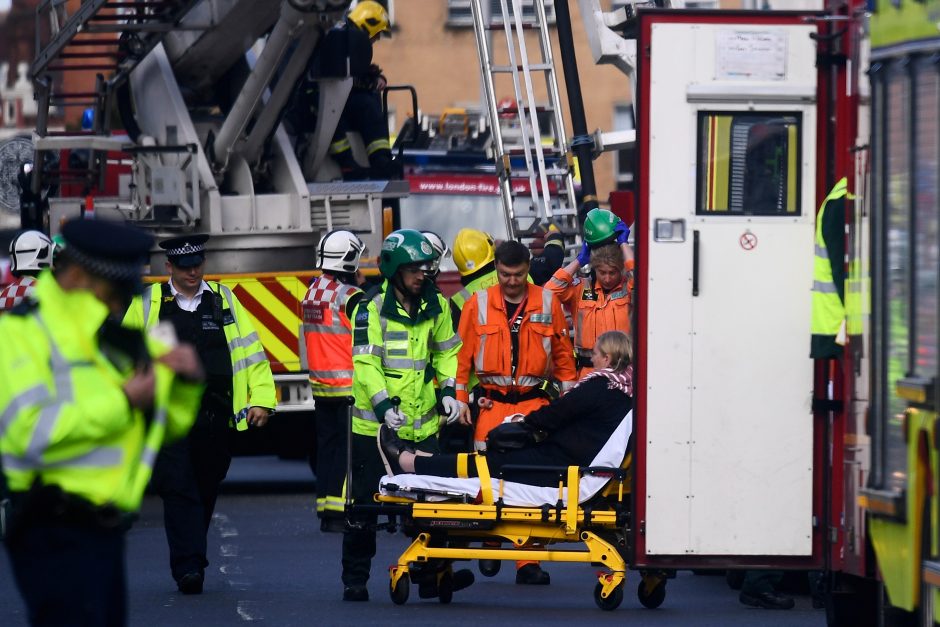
(188, 472)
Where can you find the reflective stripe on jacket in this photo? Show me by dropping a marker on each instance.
(252, 380)
(64, 417)
(544, 347)
(828, 309)
(395, 354)
(480, 283)
(594, 311)
(327, 336)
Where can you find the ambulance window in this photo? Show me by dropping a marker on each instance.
(748, 164)
(893, 271)
(926, 233)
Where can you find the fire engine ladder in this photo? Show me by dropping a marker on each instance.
(540, 155)
(97, 46)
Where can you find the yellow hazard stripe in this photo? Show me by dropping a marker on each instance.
(287, 355)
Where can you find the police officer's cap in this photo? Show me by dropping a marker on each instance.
(109, 249)
(186, 251)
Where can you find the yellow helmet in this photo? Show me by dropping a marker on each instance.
(473, 249)
(370, 16)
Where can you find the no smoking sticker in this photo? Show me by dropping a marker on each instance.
(748, 240)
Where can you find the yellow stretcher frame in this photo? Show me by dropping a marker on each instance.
(526, 528)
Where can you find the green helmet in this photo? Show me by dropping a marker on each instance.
(599, 225)
(402, 247)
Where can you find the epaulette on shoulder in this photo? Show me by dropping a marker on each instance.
(24, 308)
(372, 291)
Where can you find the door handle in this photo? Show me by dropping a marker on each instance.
(695, 245)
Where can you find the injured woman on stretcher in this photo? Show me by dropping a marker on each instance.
(588, 426)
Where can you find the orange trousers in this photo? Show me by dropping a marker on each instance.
(494, 416)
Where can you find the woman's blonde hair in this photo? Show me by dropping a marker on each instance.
(608, 254)
(618, 346)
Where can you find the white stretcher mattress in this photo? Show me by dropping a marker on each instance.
(520, 494)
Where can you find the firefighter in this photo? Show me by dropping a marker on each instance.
(402, 339)
(475, 257)
(514, 338)
(443, 252)
(30, 253)
(239, 392)
(548, 254)
(327, 313)
(350, 46)
(86, 404)
(602, 301)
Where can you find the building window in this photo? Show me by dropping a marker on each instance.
(623, 159)
(689, 4)
(460, 14)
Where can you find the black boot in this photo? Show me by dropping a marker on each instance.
(390, 448)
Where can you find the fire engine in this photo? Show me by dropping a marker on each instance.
(747, 453)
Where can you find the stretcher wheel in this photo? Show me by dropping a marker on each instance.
(489, 568)
(445, 587)
(399, 593)
(613, 600)
(655, 597)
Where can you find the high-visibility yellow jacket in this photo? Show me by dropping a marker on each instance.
(252, 381)
(480, 283)
(327, 336)
(395, 354)
(828, 293)
(64, 417)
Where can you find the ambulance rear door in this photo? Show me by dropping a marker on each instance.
(727, 125)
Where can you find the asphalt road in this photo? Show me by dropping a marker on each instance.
(272, 565)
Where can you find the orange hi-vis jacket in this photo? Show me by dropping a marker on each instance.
(544, 347)
(328, 336)
(593, 311)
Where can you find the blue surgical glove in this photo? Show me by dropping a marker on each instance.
(622, 231)
(584, 257)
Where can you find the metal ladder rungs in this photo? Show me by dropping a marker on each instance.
(508, 69)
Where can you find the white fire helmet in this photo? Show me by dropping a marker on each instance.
(439, 247)
(340, 251)
(31, 251)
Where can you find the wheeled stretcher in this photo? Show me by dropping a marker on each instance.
(466, 518)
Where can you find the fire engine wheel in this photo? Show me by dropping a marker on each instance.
(489, 568)
(655, 597)
(613, 600)
(445, 587)
(399, 593)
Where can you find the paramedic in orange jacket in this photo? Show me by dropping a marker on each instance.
(602, 301)
(515, 339)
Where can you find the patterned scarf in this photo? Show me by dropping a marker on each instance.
(616, 379)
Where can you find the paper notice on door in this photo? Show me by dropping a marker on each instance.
(751, 55)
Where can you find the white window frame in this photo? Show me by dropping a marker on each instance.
(623, 120)
(464, 16)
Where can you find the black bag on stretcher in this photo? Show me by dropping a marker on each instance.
(511, 436)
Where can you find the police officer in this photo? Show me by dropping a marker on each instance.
(30, 253)
(85, 404)
(403, 340)
(239, 392)
(327, 313)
